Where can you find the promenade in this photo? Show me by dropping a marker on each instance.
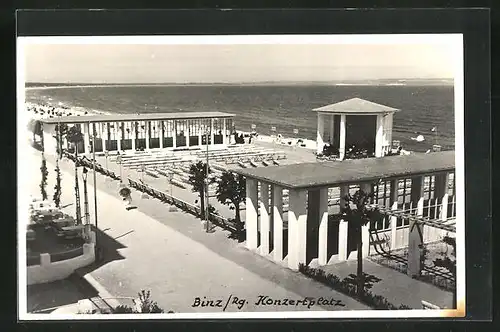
(170, 254)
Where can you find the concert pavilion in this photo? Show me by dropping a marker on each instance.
(132, 132)
(416, 192)
(355, 122)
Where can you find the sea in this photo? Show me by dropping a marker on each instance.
(426, 110)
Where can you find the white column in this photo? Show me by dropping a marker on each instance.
(162, 133)
(394, 206)
(251, 213)
(224, 132)
(297, 228)
(323, 227)
(264, 218)
(104, 135)
(365, 229)
(146, 134)
(277, 223)
(342, 136)
(133, 135)
(332, 127)
(86, 137)
(379, 136)
(174, 135)
(187, 133)
(211, 131)
(343, 226)
(119, 131)
(444, 207)
(320, 132)
(200, 135)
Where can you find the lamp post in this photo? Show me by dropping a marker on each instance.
(172, 208)
(95, 195)
(86, 202)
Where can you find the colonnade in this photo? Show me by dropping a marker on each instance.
(308, 223)
(155, 134)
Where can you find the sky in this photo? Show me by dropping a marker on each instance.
(234, 63)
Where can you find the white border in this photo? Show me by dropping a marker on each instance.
(454, 41)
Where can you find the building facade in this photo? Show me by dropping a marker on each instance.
(133, 132)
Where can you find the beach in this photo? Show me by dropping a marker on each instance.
(286, 109)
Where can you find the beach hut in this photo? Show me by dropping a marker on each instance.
(355, 124)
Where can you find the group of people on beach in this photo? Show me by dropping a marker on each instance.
(44, 111)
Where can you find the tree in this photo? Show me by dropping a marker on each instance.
(45, 173)
(198, 180)
(358, 217)
(57, 188)
(231, 190)
(449, 262)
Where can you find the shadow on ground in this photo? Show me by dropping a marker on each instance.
(45, 298)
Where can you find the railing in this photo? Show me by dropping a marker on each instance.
(195, 210)
(84, 161)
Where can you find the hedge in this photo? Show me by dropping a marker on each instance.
(344, 287)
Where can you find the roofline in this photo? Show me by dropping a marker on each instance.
(340, 183)
(354, 112)
(135, 117)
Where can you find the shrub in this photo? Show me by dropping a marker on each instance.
(348, 287)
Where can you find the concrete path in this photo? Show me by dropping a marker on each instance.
(170, 254)
(397, 287)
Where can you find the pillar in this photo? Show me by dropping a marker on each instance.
(441, 194)
(379, 152)
(323, 227)
(162, 133)
(148, 132)
(119, 130)
(174, 135)
(343, 227)
(297, 228)
(224, 132)
(365, 229)
(86, 137)
(342, 136)
(415, 240)
(133, 133)
(211, 131)
(320, 132)
(332, 128)
(104, 135)
(277, 216)
(200, 134)
(394, 206)
(187, 133)
(251, 213)
(264, 218)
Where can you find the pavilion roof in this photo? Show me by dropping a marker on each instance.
(356, 106)
(336, 173)
(136, 117)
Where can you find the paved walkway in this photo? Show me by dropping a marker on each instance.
(397, 287)
(170, 254)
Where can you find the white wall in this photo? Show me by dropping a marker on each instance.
(48, 271)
